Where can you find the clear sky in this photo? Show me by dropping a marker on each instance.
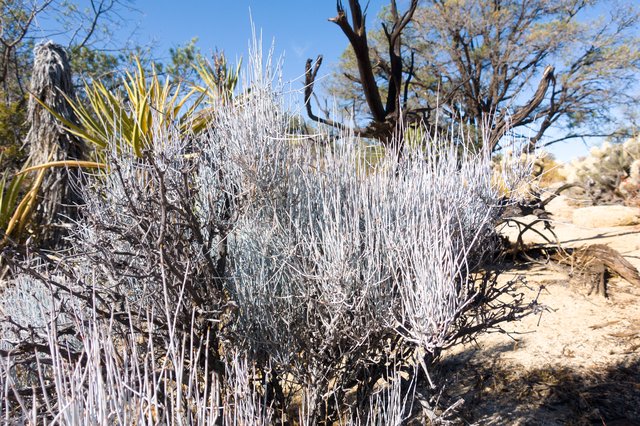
(299, 28)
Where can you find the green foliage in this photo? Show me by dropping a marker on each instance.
(217, 80)
(216, 84)
(91, 64)
(188, 64)
(13, 127)
(182, 59)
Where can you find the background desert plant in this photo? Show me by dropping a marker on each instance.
(10, 191)
(18, 200)
(60, 125)
(51, 194)
(125, 115)
(609, 174)
(245, 274)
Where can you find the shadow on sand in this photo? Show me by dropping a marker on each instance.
(496, 394)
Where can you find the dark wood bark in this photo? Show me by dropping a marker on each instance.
(594, 262)
(385, 124)
(505, 122)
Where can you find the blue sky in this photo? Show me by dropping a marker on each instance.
(299, 28)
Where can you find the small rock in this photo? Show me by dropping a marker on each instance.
(606, 216)
(560, 208)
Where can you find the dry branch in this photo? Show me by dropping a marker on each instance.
(505, 122)
(385, 116)
(593, 259)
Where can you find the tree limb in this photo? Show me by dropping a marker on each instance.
(395, 58)
(505, 122)
(310, 74)
(357, 35)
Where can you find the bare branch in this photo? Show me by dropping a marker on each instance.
(587, 135)
(408, 81)
(504, 122)
(395, 58)
(310, 74)
(98, 12)
(357, 36)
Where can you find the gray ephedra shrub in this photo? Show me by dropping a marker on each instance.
(245, 277)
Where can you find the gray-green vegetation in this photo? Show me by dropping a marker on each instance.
(246, 274)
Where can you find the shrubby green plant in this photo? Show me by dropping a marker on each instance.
(244, 275)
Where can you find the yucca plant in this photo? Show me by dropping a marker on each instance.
(217, 79)
(125, 119)
(10, 190)
(15, 212)
(128, 116)
(217, 85)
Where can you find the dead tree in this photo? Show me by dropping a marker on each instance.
(385, 115)
(389, 117)
(48, 141)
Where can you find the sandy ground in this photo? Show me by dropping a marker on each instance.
(578, 362)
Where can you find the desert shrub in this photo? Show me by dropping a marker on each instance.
(243, 276)
(12, 130)
(519, 175)
(548, 171)
(610, 174)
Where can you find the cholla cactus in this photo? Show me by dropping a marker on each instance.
(607, 173)
(630, 186)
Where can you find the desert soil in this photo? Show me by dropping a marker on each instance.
(576, 362)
